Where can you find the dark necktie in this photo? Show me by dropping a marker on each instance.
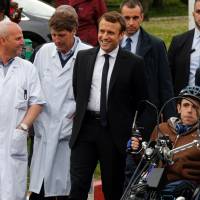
(128, 44)
(103, 99)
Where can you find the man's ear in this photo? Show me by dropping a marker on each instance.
(121, 35)
(193, 14)
(178, 108)
(142, 17)
(2, 40)
(74, 31)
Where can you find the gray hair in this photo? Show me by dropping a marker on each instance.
(64, 18)
(4, 27)
(66, 9)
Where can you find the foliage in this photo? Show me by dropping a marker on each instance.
(185, 1)
(170, 8)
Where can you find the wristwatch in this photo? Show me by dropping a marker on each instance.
(23, 127)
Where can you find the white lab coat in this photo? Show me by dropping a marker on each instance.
(51, 154)
(21, 76)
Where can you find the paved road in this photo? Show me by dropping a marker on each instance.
(90, 197)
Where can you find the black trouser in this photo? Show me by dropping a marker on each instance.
(131, 166)
(95, 144)
(40, 196)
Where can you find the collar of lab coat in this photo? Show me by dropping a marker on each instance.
(69, 64)
(55, 52)
(13, 66)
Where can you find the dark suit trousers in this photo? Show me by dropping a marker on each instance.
(95, 144)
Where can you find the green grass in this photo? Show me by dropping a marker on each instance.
(165, 28)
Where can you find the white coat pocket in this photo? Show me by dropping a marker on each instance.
(18, 145)
(22, 98)
(66, 129)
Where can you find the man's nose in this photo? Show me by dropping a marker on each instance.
(190, 109)
(131, 21)
(105, 35)
(55, 38)
(22, 42)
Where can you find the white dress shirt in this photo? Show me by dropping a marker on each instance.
(194, 57)
(95, 90)
(134, 42)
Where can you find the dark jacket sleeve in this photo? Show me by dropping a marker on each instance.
(171, 55)
(197, 77)
(165, 81)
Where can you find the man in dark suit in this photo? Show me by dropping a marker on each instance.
(103, 120)
(153, 51)
(157, 72)
(184, 54)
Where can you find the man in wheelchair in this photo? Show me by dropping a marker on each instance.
(182, 180)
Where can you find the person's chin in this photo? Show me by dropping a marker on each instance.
(189, 121)
(105, 48)
(131, 32)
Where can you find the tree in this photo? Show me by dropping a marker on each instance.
(146, 5)
(184, 1)
(158, 3)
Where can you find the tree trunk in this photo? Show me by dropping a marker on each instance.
(158, 3)
(146, 5)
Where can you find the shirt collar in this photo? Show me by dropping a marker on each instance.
(8, 63)
(196, 33)
(112, 54)
(72, 50)
(133, 37)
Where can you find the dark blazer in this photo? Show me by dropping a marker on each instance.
(197, 77)
(158, 76)
(127, 87)
(159, 80)
(179, 59)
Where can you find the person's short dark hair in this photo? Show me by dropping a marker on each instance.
(65, 20)
(131, 4)
(114, 17)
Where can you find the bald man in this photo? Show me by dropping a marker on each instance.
(20, 103)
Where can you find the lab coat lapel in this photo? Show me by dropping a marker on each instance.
(59, 70)
(67, 67)
(56, 60)
(11, 71)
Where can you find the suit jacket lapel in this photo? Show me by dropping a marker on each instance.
(90, 68)
(115, 72)
(188, 48)
(143, 45)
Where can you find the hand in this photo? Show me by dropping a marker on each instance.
(135, 143)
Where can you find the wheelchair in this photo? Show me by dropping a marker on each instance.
(148, 180)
